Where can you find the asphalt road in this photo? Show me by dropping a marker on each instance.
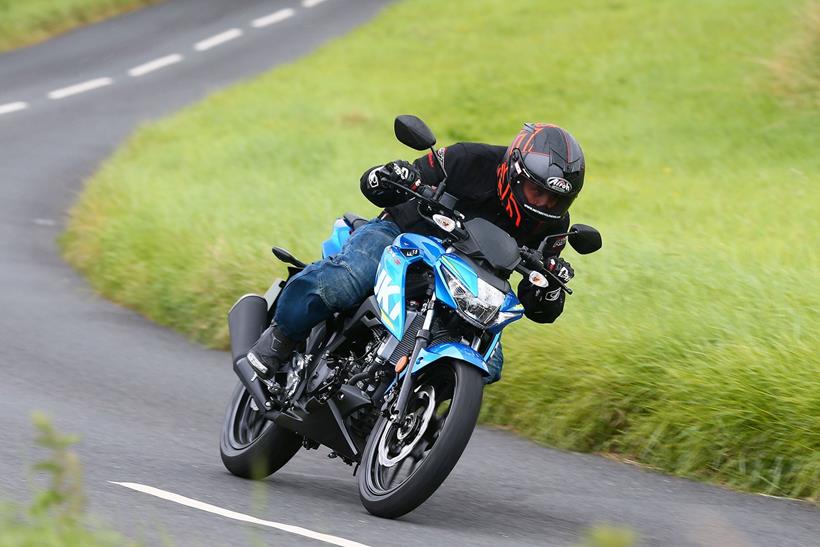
(149, 404)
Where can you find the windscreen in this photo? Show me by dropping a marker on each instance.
(491, 243)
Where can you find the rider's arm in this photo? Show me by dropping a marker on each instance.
(428, 166)
(383, 194)
(379, 193)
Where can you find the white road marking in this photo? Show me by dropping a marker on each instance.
(156, 64)
(45, 222)
(311, 3)
(176, 498)
(12, 107)
(274, 17)
(220, 38)
(80, 88)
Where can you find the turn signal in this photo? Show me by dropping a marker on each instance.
(401, 364)
(538, 279)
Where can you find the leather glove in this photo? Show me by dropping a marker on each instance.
(560, 268)
(401, 172)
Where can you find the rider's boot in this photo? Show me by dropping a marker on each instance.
(269, 352)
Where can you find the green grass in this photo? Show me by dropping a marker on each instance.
(57, 516)
(691, 342)
(25, 22)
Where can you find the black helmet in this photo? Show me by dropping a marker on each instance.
(549, 158)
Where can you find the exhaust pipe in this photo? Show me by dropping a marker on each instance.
(252, 383)
(246, 321)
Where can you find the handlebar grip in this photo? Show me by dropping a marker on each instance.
(426, 190)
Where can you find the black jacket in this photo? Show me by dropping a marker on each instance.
(472, 178)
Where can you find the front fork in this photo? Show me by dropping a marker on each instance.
(422, 341)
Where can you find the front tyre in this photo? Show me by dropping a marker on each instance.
(403, 464)
(251, 446)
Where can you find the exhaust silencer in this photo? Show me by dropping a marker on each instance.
(246, 321)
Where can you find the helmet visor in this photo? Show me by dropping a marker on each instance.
(543, 199)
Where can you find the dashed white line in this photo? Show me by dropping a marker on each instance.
(80, 88)
(275, 17)
(156, 64)
(311, 3)
(12, 107)
(218, 39)
(202, 506)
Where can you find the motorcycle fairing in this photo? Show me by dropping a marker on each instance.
(434, 255)
(392, 273)
(390, 279)
(491, 349)
(429, 248)
(338, 235)
(389, 289)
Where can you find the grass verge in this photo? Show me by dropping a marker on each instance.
(691, 343)
(23, 23)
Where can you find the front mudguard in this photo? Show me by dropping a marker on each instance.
(450, 350)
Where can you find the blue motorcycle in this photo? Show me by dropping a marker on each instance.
(395, 386)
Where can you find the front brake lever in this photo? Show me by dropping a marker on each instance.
(560, 282)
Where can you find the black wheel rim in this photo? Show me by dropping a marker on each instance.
(383, 479)
(247, 424)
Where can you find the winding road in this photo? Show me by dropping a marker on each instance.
(149, 404)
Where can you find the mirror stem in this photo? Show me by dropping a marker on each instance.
(544, 241)
(443, 183)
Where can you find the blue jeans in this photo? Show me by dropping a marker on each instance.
(341, 282)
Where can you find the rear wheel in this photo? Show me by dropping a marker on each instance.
(403, 464)
(251, 446)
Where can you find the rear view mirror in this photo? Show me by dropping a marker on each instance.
(584, 239)
(413, 132)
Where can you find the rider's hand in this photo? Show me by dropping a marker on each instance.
(561, 268)
(401, 172)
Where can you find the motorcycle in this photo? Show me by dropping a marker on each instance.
(394, 386)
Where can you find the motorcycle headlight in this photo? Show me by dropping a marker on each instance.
(480, 309)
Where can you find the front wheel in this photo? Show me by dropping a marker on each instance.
(251, 446)
(403, 464)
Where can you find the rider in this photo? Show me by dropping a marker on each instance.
(525, 188)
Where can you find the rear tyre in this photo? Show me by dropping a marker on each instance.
(404, 464)
(251, 446)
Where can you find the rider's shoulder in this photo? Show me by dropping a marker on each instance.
(472, 153)
(477, 149)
